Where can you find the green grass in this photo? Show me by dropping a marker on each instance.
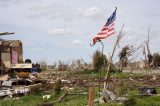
(82, 100)
(32, 100)
(140, 101)
(24, 101)
(89, 73)
(78, 100)
(95, 73)
(148, 101)
(74, 100)
(28, 100)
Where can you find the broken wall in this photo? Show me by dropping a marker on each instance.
(11, 52)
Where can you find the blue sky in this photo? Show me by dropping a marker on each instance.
(53, 30)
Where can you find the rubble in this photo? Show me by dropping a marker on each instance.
(4, 77)
(108, 95)
(16, 91)
(147, 91)
(46, 97)
(22, 90)
(6, 85)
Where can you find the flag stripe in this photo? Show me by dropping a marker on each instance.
(107, 30)
(107, 27)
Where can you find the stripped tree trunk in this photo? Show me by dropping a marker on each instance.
(119, 37)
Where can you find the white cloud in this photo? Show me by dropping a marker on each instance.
(69, 46)
(25, 43)
(8, 3)
(59, 31)
(76, 42)
(38, 49)
(44, 10)
(50, 11)
(92, 12)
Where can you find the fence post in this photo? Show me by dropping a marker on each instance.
(91, 96)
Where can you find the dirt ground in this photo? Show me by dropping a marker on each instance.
(146, 79)
(150, 71)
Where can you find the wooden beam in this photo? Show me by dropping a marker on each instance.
(6, 33)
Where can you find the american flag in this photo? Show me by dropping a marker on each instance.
(107, 30)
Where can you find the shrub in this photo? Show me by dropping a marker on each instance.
(36, 89)
(99, 60)
(47, 86)
(130, 102)
(28, 61)
(22, 74)
(43, 65)
(58, 86)
(12, 75)
(124, 54)
(156, 59)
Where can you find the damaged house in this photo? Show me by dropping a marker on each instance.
(11, 53)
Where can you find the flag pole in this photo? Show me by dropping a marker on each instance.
(99, 69)
(100, 36)
(115, 8)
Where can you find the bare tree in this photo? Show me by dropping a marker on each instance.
(110, 63)
(43, 65)
(149, 55)
(63, 66)
(146, 49)
(54, 65)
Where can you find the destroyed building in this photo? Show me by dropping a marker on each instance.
(11, 52)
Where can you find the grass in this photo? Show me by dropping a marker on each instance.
(24, 101)
(95, 73)
(75, 100)
(34, 100)
(78, 100)
(148, 101)
(89, 73)
(82, 100)
(140, 101)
